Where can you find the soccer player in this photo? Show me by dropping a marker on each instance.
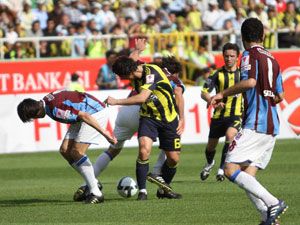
(251, 149)
(226, 120)
(127, 123)
(158, 118)
(87, 116)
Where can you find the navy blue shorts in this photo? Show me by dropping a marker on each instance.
(169, 140)
(218, 127)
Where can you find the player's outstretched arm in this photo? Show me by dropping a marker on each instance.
(87, 118)
(133, 100)
(238, 88)
(140, 45)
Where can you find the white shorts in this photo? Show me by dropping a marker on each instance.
(127, 122)
(250, 148)
(84, 133)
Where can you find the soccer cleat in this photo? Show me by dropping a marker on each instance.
(83, 191)
(264, 223)
(275, 211)
(220, 175)
(142, 196)
(93, 199)
(159, 181)
(168, 194)
(206, 170)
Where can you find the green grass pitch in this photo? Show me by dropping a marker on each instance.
(37, 188)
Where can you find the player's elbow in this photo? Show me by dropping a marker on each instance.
(251, 83)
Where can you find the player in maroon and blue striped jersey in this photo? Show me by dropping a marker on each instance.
(87, 116)
(251, 150)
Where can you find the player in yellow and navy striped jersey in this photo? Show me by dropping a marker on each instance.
(158, 118)
(226, 120)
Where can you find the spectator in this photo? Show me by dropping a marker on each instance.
(212, 15)
(97, 15)
(62, 28)
(75, 85)
(260, 14)
(26, 16)
(95, 47)
(130, 10)
(227, 14)
(11, 34)
(73, 12)
(117, 44)
(36, 30)
(194, 16)
(108, 16)
(107, 79)
(40, 14)
(149, 9)
(78, 47)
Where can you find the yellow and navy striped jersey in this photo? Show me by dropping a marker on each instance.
(220, 80)
(161, 104)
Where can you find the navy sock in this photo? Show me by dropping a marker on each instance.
(168, 173)
(224, 152)
(142, 168)
(210, 156)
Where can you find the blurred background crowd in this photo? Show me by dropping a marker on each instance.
(188, 29)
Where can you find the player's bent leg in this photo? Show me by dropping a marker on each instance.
(210, 152)
(159, 162)
(230, 134)
(83, 165)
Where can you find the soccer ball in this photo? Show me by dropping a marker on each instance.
(127, 187)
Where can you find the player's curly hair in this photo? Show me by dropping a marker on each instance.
(28, 109)
(172, 64)
(252, 30)
(124, 66)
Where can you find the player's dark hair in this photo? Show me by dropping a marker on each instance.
(124, 66)
(172, 64)
(28, 109)
(109, 53)
(230, 46)
(252, 30)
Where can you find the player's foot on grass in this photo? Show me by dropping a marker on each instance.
(206, 170)
(159, 181)
(93, 199)
(142, 196)
(264, 223)
(220, 175)
(82, 192)
(275, 211)
(167, 194)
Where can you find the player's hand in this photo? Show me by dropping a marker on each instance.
(140, 44)
(180, 127)
(110, 138)
(110, 101)
(216, 99)
(220, 105)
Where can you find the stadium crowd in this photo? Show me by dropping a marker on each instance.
(92, 18)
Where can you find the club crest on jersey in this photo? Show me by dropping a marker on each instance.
(245, 63)
(150, 79)
(62, 114)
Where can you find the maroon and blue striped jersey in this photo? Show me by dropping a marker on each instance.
(260, 107)
(64, 106)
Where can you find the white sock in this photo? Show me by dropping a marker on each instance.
(259, 205)
(159, 162)
(250, 184)
(101, 163)
(143, 190)
(85, 168)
